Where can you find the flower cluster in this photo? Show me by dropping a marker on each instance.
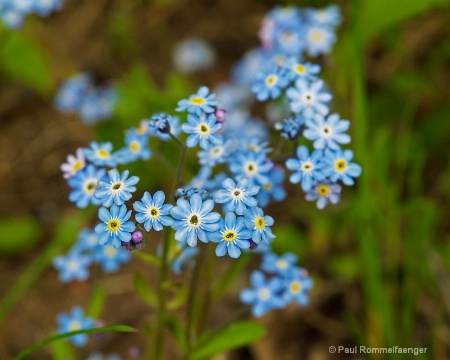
(93, 103)
(12, 12)
(73, 321)
(85, 252)
(287, 283)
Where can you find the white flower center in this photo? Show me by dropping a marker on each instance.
(307, 166)
(264, 294)
(237, 194)
(250, 168)
(309, 98)
(203, 129)
(89, 186)
(216, 152)
(326, 131)
(271, 80)
(117, 187)
(194, 220)
(282, 264)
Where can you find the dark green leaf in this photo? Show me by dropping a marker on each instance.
(18, 234)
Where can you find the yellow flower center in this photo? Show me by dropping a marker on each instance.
(229, 235)
(153, 212)
(282, 264)
(300, 69)
(142, 129)
(203, 129)
(74, 325)
(197, 101)
(110, 251)
(264, 294)
(78, 165)
(255, 148)
(317, 35)
(323, 190)
(268, 186)
(90, 186)
(103, 154)
(340, 165)
(135, 146)
(271, 80)
(114, 225)
(116, 186)
(260, 223)
(295, 287)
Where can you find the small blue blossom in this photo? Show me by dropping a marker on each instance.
(73, 164)
(71, 93)
(324, 192)
(136, 147)
(194, 219)
(264, 294)
(199, 103)
(259, 224)
(297, 70)
(274, 189)
(338, 166)
(319, 40)
(280, 265)
(101, 154)
(232, 236)
(308, 98)
(329, 16)
(162, 124)
(202, 129)
(297, 285)
(237, 197)
(117, 188)
(73, 321)
(251, 165)
(152, 212)
(216, 154)
(74, 266)
(110, 258)
(114, 227)
(306, 168)
(84, 185)
(269, 84)
(254, 143)
(291, 128)
(327, 132)
(86, 241)
(288, 39)
(98, 104)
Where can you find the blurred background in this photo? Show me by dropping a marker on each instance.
(380, 259)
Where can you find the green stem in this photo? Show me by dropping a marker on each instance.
(180, 166)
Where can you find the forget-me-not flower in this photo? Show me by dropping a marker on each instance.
(152, 212)
(202, 129)
(100, 154)
(338, 166)
(110, 257)
(297, 285)
(308, 98)
(232, 236)
(268, 85)
(73, 321)
(84, 185)
(201, 102)
(324, 191)
(74, 266)
(327, 132)
(278, 264)
(115, 226)
(117, 188)
(259, 224)
(251, 165)
(237, 197)
(194, 220)
(306, 168)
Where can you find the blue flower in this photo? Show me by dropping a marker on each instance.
(251, 165)
(324, 192)
(274, 189)
(232, 236)
(98, 104)
(162, 124)
(254, 143)
(319, 40)
(84, 185)
(296, 70)
(338, 166)
(308, 98)
(100, 154)
(153, 212)
(327, 132)
(136, 147)
(201, 102)
(74, 266)
(237, 197)
(215, 154)
(264, 294)
(194, 219)
(117, 189)
(75, 321)
(268, 84)
(202, 129)
(259, 224)
(86, 241)
(291, 128)
(307, 168)
(297, 285)
(115, 227)
(110, 258)
(71, 93)
(288, 38)
(280, 265)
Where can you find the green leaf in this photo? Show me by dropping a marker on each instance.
(176, 328)
(62, 350)
(97, 302)
(379, 15)
(148, 258)
(18, 234)
(230, 337)
(144, 290)
(24, 60)
(41, 344)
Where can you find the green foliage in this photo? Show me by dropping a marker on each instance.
(229, 337)
(96, 302)
(23, 59)
(144, 290)
(18, 234)
(58, 337)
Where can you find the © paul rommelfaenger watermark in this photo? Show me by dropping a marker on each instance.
(376, 350)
